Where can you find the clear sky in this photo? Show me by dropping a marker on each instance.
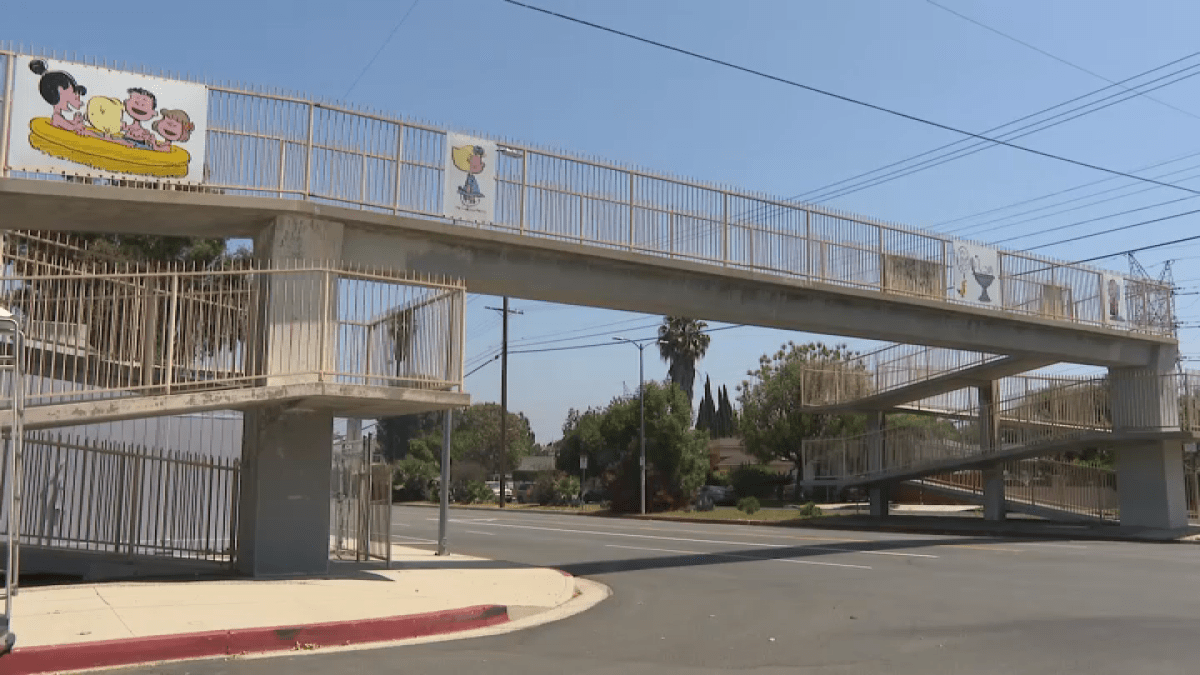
(493, 68)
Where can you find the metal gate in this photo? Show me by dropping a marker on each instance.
(361, 517)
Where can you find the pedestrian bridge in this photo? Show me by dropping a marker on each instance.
(336, 198)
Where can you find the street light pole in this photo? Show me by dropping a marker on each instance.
(642, 395)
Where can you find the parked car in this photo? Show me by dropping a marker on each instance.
(509, 493)
(717, 494)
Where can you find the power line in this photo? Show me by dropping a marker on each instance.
(1116, 229)
(1055, 194)
(842, 97)
(1084, 222)
(381, 47)
(1008, 135)
(588, 346)
(1043, 52)
(1141, 248)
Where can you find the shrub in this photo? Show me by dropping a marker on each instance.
(720, 478)
(810, 509)
(413, 479)
(748, 505)
(555, 488)
(756, 480)
(471, 492)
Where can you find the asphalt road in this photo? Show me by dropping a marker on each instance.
(693, 598)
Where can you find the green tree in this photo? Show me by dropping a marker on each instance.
(582, 436)
(676, 454)
(728, 416)
(681, 343)
(706, 415)
(396, 433)
(476, 437)
(775, 420)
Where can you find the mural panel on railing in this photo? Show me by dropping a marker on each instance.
(470, 183)
(77, 119)
(976, 269)
(1112, 289)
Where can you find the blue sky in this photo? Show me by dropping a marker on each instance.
(490, 67)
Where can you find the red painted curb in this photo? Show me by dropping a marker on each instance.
(129, 651)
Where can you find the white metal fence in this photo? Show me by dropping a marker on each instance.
(275, 145)
(127, 499)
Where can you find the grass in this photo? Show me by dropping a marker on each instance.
(733, 515)
(728, 513)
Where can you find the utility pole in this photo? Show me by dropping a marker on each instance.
(504, 312)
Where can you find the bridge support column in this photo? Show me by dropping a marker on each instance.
(1149, 475)
(880, 497)
(287, 454)
(876, 423)
(283, 504)
(993, 493)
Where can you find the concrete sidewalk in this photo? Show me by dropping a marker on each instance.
(80, 626)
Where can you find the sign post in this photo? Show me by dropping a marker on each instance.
(582, 475)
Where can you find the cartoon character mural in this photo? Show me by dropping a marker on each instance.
(469, 158)
(98, 133)
(975, 264)
(469, 187)
(1114, 296)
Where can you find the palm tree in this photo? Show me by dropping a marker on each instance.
(682, 342)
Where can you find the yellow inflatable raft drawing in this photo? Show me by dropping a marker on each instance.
(106, 155)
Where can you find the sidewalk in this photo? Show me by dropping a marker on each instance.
(72, 627)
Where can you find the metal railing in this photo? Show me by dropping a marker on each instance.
(126, 499)
(105, 333)
(886, 369)
(1063, 486)
(274, 145)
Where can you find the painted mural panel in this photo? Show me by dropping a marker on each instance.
(470, 183)
(976, 269)
(83, 120)
(1113, 291)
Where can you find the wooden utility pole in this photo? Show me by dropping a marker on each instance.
(504, 312)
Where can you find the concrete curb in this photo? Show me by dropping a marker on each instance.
(108, 653)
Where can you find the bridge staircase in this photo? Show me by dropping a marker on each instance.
(104, 342)
(1035, 417)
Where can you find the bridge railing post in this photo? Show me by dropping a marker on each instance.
(308, 156)
(725, 228)
(6, 113)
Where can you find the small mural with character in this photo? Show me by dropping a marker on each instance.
(84, 120)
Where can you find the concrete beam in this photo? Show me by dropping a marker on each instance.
(502, 263)
(341, 399)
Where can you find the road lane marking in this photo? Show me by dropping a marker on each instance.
(1038, 543)
(486, 534)
(698, 541)
(417, 540)
(741, 557)
(984, 547)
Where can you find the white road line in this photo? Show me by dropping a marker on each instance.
(741, 557)
(1038, 543)
(696, 541)
(487, 534)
